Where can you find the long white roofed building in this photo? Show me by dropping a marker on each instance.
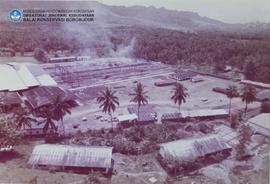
(18, 77)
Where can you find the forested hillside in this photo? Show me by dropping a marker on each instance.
(242, 51)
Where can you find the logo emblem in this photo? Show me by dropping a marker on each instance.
(15, 15)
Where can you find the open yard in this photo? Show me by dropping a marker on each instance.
(201, 96)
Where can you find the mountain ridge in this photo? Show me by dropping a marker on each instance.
(111, 15)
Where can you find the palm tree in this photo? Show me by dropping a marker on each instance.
(231, 93)
(47, 112)
(140, 97)
(60, 109)
(24, 118)
(249, 95)
(108, 102)
(180, 94)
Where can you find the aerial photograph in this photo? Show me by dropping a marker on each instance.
(135, 92)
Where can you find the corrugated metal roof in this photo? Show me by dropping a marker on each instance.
(204, 113)
(263, 95)
(27, 77)
(228, 134)
(262, 120)
(11, 80)
(190, 149)
(21, 76)
(46, 80)
(44, 95)
(127, 117)
(10, 98)
(71, 156)
(254, 83)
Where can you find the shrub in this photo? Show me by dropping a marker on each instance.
(40, 55)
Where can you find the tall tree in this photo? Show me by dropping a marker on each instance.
(47, 113)
(108, 102)
(140, 97)
(249, 95)
(180, 94)
(231, 93)
(60, 109)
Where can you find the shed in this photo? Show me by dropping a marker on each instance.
(127, 120)
(62, 59)
(171, 117)
(79, 158)
(256, 84)
(147, 114)
(197, 78)
(194, 148)
(181, 75)
(263, 95)
(165, 83)
(127, 117)
(261, 124)
(220, 90)
(9, 100)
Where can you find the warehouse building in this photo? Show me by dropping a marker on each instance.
(27, 82)
(191, 150)
(80, 159)
(19, 77)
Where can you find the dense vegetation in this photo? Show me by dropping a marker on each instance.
(9, 136)
(249, 53)
(134, 140)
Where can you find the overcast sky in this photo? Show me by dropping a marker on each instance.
(231, 11)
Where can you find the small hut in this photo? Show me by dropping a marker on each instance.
(127, 120)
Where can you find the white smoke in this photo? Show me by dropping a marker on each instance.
(124, 51)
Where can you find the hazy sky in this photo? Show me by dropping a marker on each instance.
(232, 11)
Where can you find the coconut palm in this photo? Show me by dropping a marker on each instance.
(108, 102)
(249, 95)
(140, 97)
(60, 109)
(180, 94)
(231, 93)
(24, 118)
(47, 112)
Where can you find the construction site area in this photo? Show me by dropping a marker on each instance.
(86, 79)
(205, 113)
